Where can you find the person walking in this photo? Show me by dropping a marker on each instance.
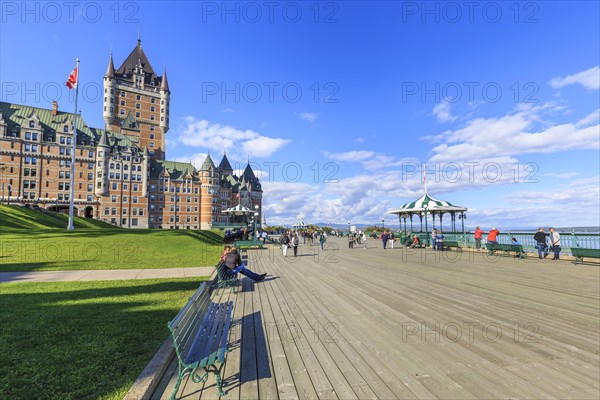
(350, 240)
(391, 239)
(477, 236)
(285, 243)
(555, 243)
(540, 238)
(322, 241)
(433, 239)
(384, 239)
(295, 243)
(364, 240)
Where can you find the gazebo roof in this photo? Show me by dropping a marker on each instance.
(426, 203)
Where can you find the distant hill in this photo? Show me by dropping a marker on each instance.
(16, 217)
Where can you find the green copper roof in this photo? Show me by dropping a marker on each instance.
(176, 170)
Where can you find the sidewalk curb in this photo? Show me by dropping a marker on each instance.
(148, 380)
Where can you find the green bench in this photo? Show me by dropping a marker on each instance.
(448, 244)
(200, 332)
(248, 244)
(506, 249)
(580, 252)
(225, 277)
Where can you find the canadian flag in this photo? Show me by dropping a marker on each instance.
(72, 81)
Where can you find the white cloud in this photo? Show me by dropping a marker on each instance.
(590, 79)
(562, 175)
(592, 118)
(350, 156)
(213, 136)
(514, 134)
(442, 112)
(308, 116)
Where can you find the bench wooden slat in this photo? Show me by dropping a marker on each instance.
(200, 332)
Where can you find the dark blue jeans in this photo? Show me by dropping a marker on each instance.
(542, 248)
(556, 250)
(246, 272)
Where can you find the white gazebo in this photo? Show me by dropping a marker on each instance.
(300, 225)
(427, 206)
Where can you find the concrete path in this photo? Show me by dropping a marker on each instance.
(104, 275)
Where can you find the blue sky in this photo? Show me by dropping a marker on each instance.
(500, 100)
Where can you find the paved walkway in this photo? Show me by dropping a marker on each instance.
(104, 275)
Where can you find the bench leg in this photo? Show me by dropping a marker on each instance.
(217, 372)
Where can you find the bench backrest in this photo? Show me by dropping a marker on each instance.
(186, 325)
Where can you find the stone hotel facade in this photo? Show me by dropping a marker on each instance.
(121, 175)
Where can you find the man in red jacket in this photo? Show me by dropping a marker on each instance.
(493, 236)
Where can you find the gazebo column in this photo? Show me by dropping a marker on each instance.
(441, 226)
(421, 218)
(411, 226)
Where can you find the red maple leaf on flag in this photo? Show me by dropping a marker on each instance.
(72, 81)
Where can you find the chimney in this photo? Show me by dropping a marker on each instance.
(54, 107)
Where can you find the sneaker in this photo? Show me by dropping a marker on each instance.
(262, 277)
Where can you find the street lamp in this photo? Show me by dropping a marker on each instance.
(254, 234)
(462, 217)
(2, 168)
(348, 228)
(383, 224)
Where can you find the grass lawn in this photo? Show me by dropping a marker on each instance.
(29, 243)
(83, 340)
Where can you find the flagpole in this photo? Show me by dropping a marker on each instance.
(74, 148)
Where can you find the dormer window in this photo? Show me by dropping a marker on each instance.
(66, 128)
(31, 124)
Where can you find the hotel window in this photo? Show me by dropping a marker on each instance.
(151, 144)
(69, 141)
(135, 199)
(89, 197)
(66, 128)
(31, 124)
(27, 135)
(123, 102)
(137, 106)
(113, 198)
(152, 108)
(134, 221)
(152, 136)
(151, 117)
(137, 97)
(151, 127)
(137, 114)
(122, 111)
(106, 211)
(122, 94)
(152, 100)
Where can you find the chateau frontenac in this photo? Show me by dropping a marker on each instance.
(121, 173)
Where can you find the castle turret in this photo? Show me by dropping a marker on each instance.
(102, 159)
(110, 88)
(165, 95)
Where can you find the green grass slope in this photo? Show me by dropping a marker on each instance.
(15, 217)
(35, 241)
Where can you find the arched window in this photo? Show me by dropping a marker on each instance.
(66, 128)
(112, 165)
(125, 167)
(139, 168)
(31, 124)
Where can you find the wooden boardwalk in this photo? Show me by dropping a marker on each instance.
(407, 324)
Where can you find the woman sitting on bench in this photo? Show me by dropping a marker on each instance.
(233, 261)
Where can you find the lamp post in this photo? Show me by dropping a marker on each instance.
(348, 228)
(2, 168)
(462, 218)
(254, 234)
(383, 224)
